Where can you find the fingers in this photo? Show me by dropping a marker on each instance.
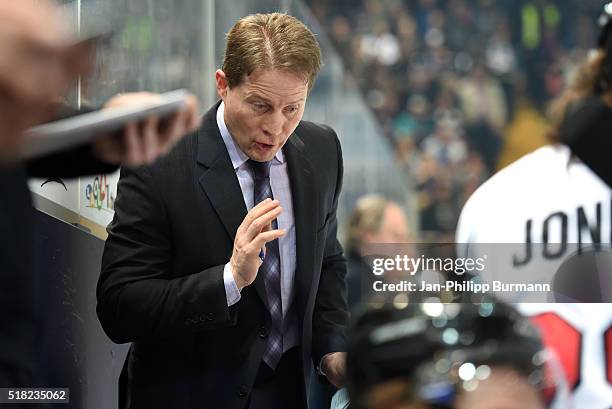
(132, 98)
(133, 146)
(145, 143)
(142, 142)
(179, 124)
(174, 131)
(192, 118)
(258, 210)
(110, 148)
(257, 222)
(264, 237)
(150, 140)
(256, 230)
(251, 238)
(262, 223)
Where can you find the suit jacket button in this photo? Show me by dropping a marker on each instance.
(263, 331)
(210, 316)
(242, 392)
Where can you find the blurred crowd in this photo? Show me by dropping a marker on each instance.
(445, 79)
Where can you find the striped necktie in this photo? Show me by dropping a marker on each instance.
(270, 268)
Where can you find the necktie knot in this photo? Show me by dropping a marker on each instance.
(261, 170)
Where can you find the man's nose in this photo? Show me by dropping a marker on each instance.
(273, 125)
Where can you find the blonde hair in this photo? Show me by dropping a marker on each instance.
(581, 86)
(273, 40)
(367, 217)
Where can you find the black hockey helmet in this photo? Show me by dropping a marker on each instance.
(437, 349)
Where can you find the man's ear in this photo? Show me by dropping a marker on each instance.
(222, 84)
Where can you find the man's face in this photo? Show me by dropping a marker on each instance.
(263, 111)
(394, 228)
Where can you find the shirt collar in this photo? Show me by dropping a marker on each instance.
(237, 156)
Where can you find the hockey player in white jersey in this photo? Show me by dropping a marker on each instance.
(551, 198)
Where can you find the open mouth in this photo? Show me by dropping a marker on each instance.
(264, 146)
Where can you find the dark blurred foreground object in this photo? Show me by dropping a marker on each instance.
(77, 130)
(587, 130)
(585, 276)
(450, 356)
(22, 317)
(587, 126)
(38, 61)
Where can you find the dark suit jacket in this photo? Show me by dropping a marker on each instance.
(161, 285)
(358, 279)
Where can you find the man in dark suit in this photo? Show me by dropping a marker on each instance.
(228, 307)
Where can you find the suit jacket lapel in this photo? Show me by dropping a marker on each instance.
(219, 182)
(305, 208)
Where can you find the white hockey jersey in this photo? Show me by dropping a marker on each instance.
(550, 197)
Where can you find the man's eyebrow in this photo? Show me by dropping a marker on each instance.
(297, 100)
(266, 100)
(257, 96)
